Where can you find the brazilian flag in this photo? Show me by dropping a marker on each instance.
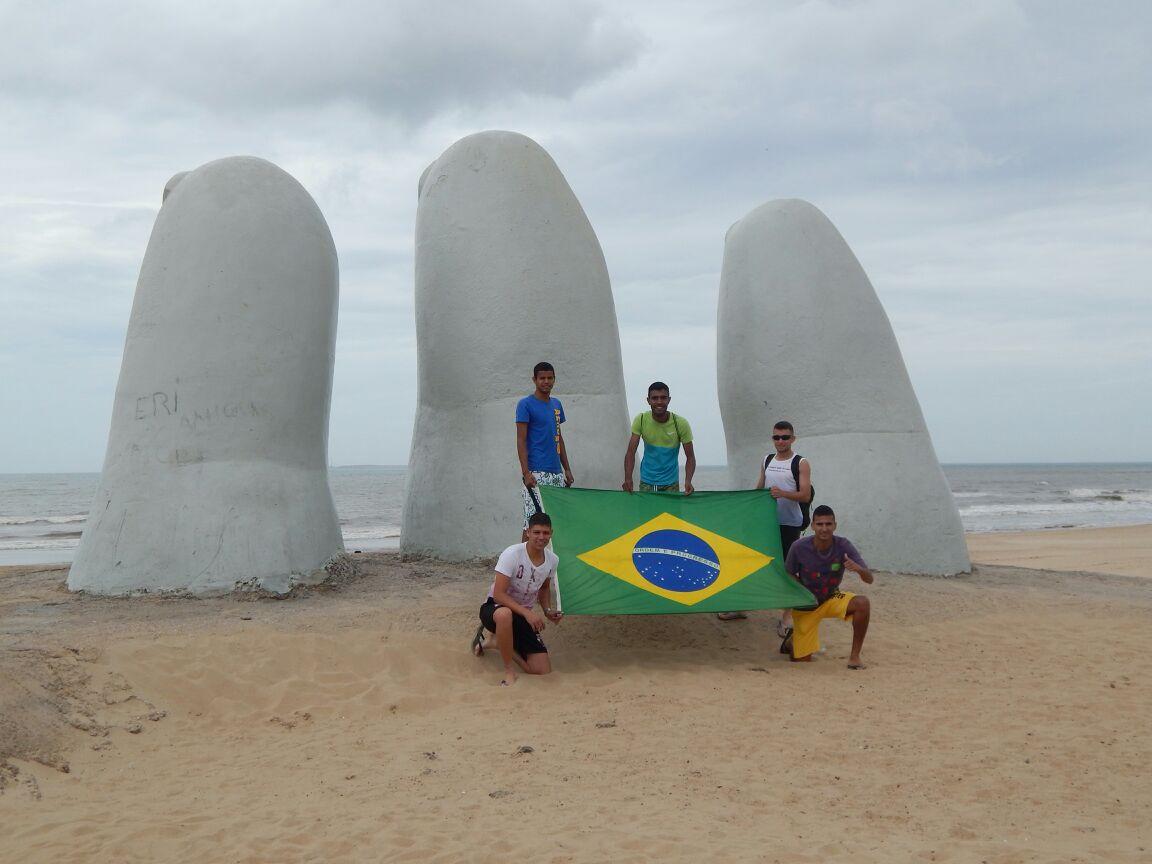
(649, 553)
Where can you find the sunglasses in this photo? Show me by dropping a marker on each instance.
(781, 437)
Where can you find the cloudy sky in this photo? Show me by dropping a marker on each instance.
(990, 163)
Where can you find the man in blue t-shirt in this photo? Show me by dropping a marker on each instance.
(662, 433)
(539, 442)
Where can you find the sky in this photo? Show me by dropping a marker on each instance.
(989, 162)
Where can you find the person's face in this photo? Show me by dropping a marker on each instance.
(782, 439)
(545, 381)
(824, 527)
(539, 536)
(658, 400)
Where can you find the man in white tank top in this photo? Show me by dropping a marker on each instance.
(775, 474)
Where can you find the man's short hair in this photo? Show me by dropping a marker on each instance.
(783, 424)
(543, 366)
(658, 385)
(822, 510)
(540, 519)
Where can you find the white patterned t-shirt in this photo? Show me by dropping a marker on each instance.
(524, 577)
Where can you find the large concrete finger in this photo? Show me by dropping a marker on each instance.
(216, 470)
(801, 336)
(508, 273)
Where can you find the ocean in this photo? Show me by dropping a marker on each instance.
(43, 515)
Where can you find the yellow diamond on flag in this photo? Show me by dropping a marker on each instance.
(672, 558)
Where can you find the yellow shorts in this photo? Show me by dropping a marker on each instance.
(806, 625)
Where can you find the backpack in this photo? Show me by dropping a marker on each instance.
(805, 506)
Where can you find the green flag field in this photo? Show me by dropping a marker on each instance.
(648, 553)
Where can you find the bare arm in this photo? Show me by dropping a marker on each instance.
(689, 467)
(760, 477)
(859, 569)
(803, 491)
(630, 462)
(544, 597)
(522, 452)
(568, 479)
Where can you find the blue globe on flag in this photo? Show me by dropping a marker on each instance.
(676, 560)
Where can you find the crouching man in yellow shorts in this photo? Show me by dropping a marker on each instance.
(818, 563)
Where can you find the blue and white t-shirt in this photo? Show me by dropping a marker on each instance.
(543, 419)
(660, 465)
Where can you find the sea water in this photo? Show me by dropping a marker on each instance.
(43, 515)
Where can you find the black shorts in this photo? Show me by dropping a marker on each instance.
(525, 640)
(789, 534)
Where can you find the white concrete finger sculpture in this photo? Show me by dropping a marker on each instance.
(508, 273)
(216, 471)
(801, 336)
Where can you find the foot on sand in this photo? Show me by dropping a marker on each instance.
(510, 676)
(856, 663)
(730, 616)
(478, 645)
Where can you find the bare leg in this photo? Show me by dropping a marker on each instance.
(861, 611)
(784, 624)
(481, 642)
(538, 664)
(503, 619)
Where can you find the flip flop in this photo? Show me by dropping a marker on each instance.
(857, 666)
(478, 642)
(786, 645)
(731, 616)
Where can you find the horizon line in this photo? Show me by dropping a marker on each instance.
(942, 465)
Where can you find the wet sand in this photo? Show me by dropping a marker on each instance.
(1125, 551)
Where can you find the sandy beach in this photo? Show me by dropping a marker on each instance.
(1123, 551)
(350, 723)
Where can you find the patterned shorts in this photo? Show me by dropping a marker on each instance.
(543, 478)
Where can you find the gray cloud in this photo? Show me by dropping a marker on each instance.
(410, 58)
(988, 162)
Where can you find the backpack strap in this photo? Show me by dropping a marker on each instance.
(534, 494)
(796, 457)
(675, 425)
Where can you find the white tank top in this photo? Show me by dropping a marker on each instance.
(779, 474)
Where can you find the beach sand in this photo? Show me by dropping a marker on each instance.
(997, 722)
(1123, 551)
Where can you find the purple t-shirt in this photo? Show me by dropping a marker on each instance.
(820, 572)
